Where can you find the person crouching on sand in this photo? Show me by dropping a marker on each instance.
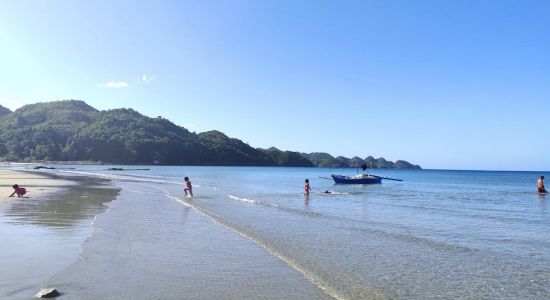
(306, 187)
(18, 190)
(189, 186)
(540, 185)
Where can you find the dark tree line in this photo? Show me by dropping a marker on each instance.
(72, 130)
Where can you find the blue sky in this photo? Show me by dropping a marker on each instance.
(445, 84)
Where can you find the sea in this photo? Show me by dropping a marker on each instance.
(251, 233)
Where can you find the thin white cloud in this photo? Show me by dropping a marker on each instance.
(114, 85)
(148, 78)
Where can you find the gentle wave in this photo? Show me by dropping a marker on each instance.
(377, 229)
(219, 220)
(126, 177)
(291, 263)
(244, 200)
(276, 206)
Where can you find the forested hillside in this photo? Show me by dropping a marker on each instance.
(71, 130)
(4, 111)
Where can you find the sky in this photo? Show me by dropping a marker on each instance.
(444, 84)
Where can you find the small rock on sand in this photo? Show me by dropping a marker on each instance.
(47, 293)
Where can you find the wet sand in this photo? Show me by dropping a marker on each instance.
(36, 185)
(144, 245)
(42, 234)
(149, 246)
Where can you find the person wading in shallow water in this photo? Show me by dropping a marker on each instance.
(540, 185)
(189, 186)
(307, 189)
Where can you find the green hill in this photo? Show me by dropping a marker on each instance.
(40, 131)
(321, 159)
(344, 161)
(4, 111)
(401, 164)
(225, 151)
(287, 158)
(126, 136)
(71, 130)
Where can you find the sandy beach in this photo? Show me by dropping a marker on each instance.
(42, 233)
(73, 237)
(36, 185)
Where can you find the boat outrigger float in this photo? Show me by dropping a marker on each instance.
(361, 178)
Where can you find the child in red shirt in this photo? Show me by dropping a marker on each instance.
(306, 187)
(18, 190)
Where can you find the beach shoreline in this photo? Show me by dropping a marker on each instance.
(37, 184)
(80, 265)
(267, 239)
(174, 251)
(43, 232)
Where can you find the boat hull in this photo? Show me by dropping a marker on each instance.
(356, 180)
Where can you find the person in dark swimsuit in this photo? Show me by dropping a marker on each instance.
(540, 185)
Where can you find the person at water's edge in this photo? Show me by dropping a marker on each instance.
(540, 185)
(18, 190)
(306, 187)
(189, 186)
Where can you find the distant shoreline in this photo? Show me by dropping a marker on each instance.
(81, 134)
(99, 163)
(87, 163)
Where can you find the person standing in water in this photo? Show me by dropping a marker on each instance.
(306, 187)
(540, 185)
(189, 186)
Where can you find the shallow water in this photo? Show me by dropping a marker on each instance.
(150, 246)
(438, 234)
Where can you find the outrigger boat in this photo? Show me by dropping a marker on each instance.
(357, 179)
(361, 178)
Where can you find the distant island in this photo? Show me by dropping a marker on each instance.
(71, 130)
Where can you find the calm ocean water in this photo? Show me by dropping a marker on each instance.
(437, 234)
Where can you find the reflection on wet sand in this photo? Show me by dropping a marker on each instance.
(42, 234)
(65, 207)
